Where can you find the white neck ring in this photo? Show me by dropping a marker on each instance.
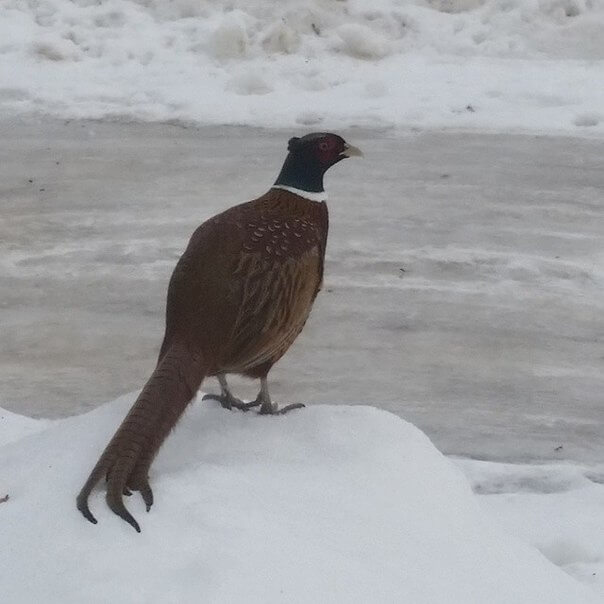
(310, 195)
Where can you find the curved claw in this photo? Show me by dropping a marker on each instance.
(287, 408)
(270, 409)
(82, 503)
(116, 505)
(147, 494)
(143, 487)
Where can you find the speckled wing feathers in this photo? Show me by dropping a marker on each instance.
(279, 272)
(247, 281)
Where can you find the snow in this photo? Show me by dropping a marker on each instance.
(334, 503)
(13, 426)
(513, 65)
(557, 508)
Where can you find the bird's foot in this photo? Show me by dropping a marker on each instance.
(228, 401)
(269, 408)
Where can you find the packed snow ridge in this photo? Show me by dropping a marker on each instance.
(520, 65)
(331, 504)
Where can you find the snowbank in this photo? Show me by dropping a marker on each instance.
(558, 508)
(14, 427)
(530, 65)
(332, 504)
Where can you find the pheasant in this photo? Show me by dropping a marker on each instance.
(237, 299)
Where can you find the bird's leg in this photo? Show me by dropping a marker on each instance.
(267, 407)
(227, 399)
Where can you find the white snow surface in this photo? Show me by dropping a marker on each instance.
(332, 504)
(514, 65)
(555, 507)
(14, 427)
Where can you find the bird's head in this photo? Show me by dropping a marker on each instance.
(322, 148)
(310, 157)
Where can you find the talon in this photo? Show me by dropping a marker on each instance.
(82, 505)
(144, 488)
(147, 495)
(287, 408)
(274, 410)
(117, 507)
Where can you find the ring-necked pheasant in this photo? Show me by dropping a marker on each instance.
(238, 298)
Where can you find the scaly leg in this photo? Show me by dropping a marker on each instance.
(227, 399)
(267, 407)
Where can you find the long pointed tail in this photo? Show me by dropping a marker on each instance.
(128, 456)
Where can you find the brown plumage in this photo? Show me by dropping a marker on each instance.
(238, 298)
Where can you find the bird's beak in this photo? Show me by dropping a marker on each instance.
(350, 151)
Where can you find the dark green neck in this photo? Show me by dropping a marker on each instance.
(301, 173)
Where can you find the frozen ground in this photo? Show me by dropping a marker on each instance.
(332, 504)
(464, 285)
(506, 65)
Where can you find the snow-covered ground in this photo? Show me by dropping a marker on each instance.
(513, 65)
(331, 504)
(557, 508)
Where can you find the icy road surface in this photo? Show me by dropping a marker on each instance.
(464, 284)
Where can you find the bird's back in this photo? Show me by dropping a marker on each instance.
(245, 285)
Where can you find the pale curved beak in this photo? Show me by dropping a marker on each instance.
(351, 151)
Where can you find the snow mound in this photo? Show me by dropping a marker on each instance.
(331, 504)
(526, 65)
(557, 508)
(14, 427)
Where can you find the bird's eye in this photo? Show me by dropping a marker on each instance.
(323, 146)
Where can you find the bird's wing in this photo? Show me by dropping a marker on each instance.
(247, 281)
